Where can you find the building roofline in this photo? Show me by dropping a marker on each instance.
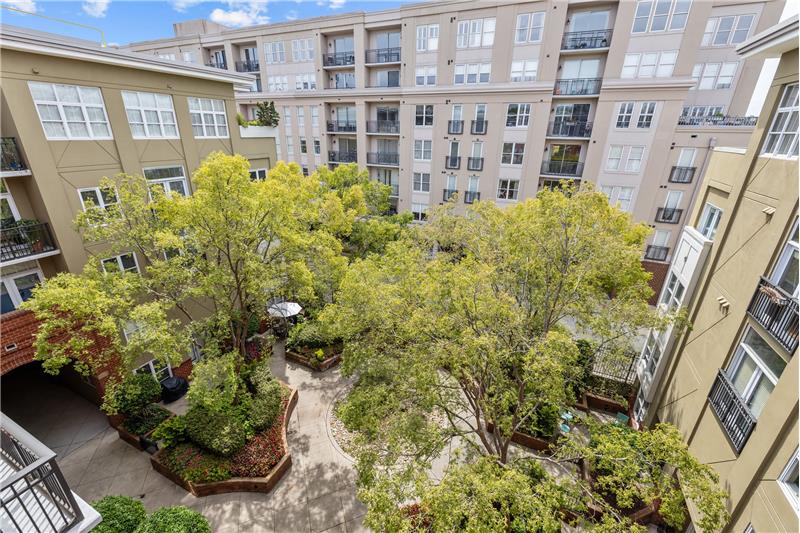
(37, 42)
(773, 41)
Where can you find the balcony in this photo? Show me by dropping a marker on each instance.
(586, 40)
(777, 312)
(339, 59)
(570, 128)
(383, 55)
(656, 253)
(26, 240)
(682, 174)
(389, 127)
(479, 127)
(11, 159)
(563, 168)
(474, 163)
(341, 126)
(455, 127)
(668, 215)
(342, 157)
(390, 159)
(578, 87)
(718, 121)
(452, 161)
(218, 64)
(247, 66)
(470, 197)
(447, 194)
(734, 415)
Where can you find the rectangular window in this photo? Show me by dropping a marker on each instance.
(660, 15)
(150, 115)
(422, 150)
(158, 369)
(120, 263)
(425, 76)
(785, 273)
(614, 157)
(422, 182)
(709, 221)
(512, 153)
(315, 117)
(97, 197)
(789, 481)
(673, 292)
(208, 117)
(755, 370)
(529, 28)
(166, 180)
(70, 111)
(258, 174)
(475, 33)
(289, 145)
(727, 31)
(646, 112)
(634, 161)
(18, 287)
(524, 70)
(317, 148)
(418, 211)
(649, 64)
(275, 52)
(427, 37)
(507, 189)
(625, 114)
(424, 115)
(301, 117)
(303, 146)
(304, 82)
(619, 196)
(518, 115)
(472, 73)
(782, 136)
(302, 50)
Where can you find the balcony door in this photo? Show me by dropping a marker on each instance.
(589, 21)
(389, 39)
(342, 45)
(347, 146)
(567, 153)
(387, 176)
(786, 270)
(387, 146)
(480, 112)
(345, 115)
(458, 112)
(673, 200)
(755, 370)
(250, 55)
(454, 149)
(566, 113)
(218, 57)
(686, 157)
(387, 114)
(8, 209)
(580, 69)
(452, 182)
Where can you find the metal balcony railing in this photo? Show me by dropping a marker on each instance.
(448, 193)
(668, 215)
(682, 174)
(218, 64)
(22, 240)
(342, 157)
(656, 253)
(580, 40)
(563, 168)
(383, 158)
(474, 163)
(11, 159)
(734, 415)
(777, 312)
(247, 66)
(35, 496)
(383, 126)
(341, 126)
(479, 127)
(578, 87)
(455, 127)
(722, 120)
(620, 367)
(452, 161)
(383, 55)
(470, 197)
(570, 128)
(339, 59)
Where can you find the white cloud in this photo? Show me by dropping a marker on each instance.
(241, 13)
(96, 8)
(336, 4)
(183, 5)
(24, 5)
(291, 14)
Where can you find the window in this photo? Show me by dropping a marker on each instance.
(70, 111)
(258, 174)
(789, 481)
(427, 37)
(727, 31)
(314, 117)
(614, 157)
(120, 263)
(618, 196)
(317, 148)
(686, 157)
(425, 75)
(422, 182)
(649, 64)
(422, 150)
(424, 115)
(782, 136)
(660, 15)
(661, 238)
(646, 112)
(388, 78)
(301, 117)
(475, 33)
(418, 211)
(169, 180)
(524, 70)
(699, 111)
(304, 169)
(344, 80)
(303, 146)
(529, 28)
(518, 115)
(634, 161)
(171, 57)
(512, 153)
(278, 84)
(673, 292)
(289, 145)
(275, 52)
(160, 370)
(150, 115)
(755, 370)
(304, 82)
(18, 287)
(302, 50)
(624, 115)
(507, 189)
(208, 117)
(709, 221)
(785, 274)
(472, 73)
(187, 57)
(97, 197)
(714, 75)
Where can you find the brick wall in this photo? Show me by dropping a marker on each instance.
(16, 328)
(659, 271)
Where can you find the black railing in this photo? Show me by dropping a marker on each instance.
(732, 412)
(656, 253)
(777, 312)
(336, 126)
(682, 174)
(570, 128)
(474, 163)
(247, 66)
(383, 158)
(578, 86)
(452, 161)
(563, 168)
(455, 127)
(12, 160)
(620, 367)
(218, 64)
(383, 126)
(668, 215)
(479, 127)
(342, 157)
(470, 197)
(383, 55)
(448, 193)
(24, 240)
(339, 59)
(580, 40)
(721, 120)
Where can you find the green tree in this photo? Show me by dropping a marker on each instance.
(266, 114)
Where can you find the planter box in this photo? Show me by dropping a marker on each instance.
(529, 441)
(305, 360)
(258, 132)
(135, 440)
(235, 484)
(596, 402)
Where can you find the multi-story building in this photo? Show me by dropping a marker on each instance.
(435, 99)
(730, 383)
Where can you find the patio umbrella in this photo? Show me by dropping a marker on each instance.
(284, 309)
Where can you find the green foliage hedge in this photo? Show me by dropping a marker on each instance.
(266, 405)
(120, 514)
(175, 520)
(135, 393)
(146, 420)
(222, 432)
(171, 431)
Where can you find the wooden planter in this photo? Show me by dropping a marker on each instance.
(529, 441)
(235, 484)
(591, 401)
(135, 440)
(307, 358)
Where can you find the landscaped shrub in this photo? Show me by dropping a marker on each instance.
(543, 422)
(261, 378)
(177, 519)
(146, 420)
(260, 454)
(171, 431)
(222, 432)
(192, 463)
(266, 405)
(121, 514)
(135, 393)
(214, 382)
(311, 334)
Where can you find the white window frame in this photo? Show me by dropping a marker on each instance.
(302, 50)
(163, 109)
(709, 221)
(529, 28)
(218, 120)
(317, 146)
(734, 36)
(427, 37)
(671, 22)
(421, 182)
(11, 287)
(522, 115)
(524, 70)
(614, 157)
(778, 126)
(101, 200)
(788, 490)
(274, 52)
(418, 211)
(5, 194)
(81, 105)
(423, 148)
(425, 73)
(761, 371)
(645, 65)
(624, 115)
(305, 82)
(619, 196)
(647, 111)
(513, 157)
(118, 259)
(476, 33)
(426, 117)
(151, 367)
(165, 183)
(634, 164)
(480, 73)
(508, 189)
(258, 174)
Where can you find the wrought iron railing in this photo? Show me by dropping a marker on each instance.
(470, 197)
(474, 163)
(452, 161)
(11, 159)
(682, 174)
(734, 415)
(479, 127)
(562, 168)
(455, 127)
(383, 55)
(579, 40)
(20, 240)
(218, 64)
(578, 86)
(344, 126)
(721, 120)
(342, 157)
(383, 126)
(656, 253)
(448, 193)
(338, 59)
(620, 367)
(383, 158)
(570, 128)
(668, 215)
(777, 312)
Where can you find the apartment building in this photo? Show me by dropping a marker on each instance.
(730, 383)
(436, 99)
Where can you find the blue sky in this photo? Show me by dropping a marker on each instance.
(125, 21)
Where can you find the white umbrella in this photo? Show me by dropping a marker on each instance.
(284, 309)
